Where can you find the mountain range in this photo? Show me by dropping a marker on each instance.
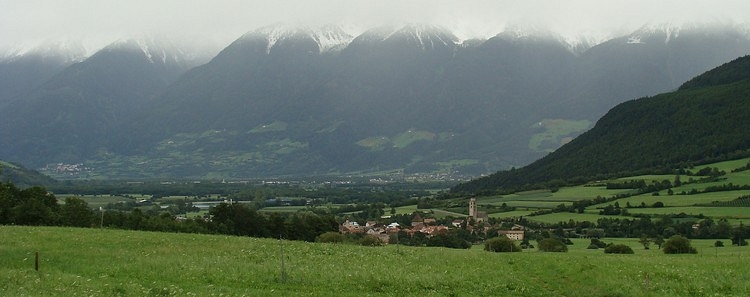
(299, 101)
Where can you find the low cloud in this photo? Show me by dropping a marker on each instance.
(219, 22)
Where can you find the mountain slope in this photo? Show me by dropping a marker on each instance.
(80, 111)
(23, 70)
(22, 177)
(699, 123)
(651, 60)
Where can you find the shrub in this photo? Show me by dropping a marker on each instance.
(618, 249)
(449, 240)
(501, 244)
(678, 244)
(370, 240)
(552, 245)
(719, 243)
(596, 243)
(333, 237)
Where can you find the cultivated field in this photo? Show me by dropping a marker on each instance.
(94, 262)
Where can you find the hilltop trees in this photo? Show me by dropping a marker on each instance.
(37, 207)
(76, 212)
(32, 206)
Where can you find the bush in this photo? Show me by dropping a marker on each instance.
(618, 249)
(719, 243)
(449, 240)
(552, 245)
(678, 244)
(370, 240)
(596, 243)
(501, 244)
(738, 241)
(332, 237)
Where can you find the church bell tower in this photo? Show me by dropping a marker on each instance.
(473, 208)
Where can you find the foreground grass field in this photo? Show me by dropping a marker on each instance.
(94, 262)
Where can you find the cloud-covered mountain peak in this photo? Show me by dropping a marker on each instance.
(68, 51)
(327, 37)
(526, 31)
(159, 50)
(428, 36)
(575, 43)
(331, 38)
(666, 32)
(422, 36)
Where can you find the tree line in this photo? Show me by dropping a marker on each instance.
(36, 206)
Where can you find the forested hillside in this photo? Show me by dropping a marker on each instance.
(22, 177)
(704, 121)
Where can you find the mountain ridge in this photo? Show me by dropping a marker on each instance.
(412, 100)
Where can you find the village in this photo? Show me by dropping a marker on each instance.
(429, 226)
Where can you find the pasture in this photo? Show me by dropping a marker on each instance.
(95, 262)
(695, 204)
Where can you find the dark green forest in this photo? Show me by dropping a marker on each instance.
(704, 121)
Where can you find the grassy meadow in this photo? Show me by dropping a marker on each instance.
(95, 262)
(695, 204)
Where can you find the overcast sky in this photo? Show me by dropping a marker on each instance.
(99, 22)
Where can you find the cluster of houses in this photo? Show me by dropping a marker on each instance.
(384, 232)
(67, 169)
(427, 226)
